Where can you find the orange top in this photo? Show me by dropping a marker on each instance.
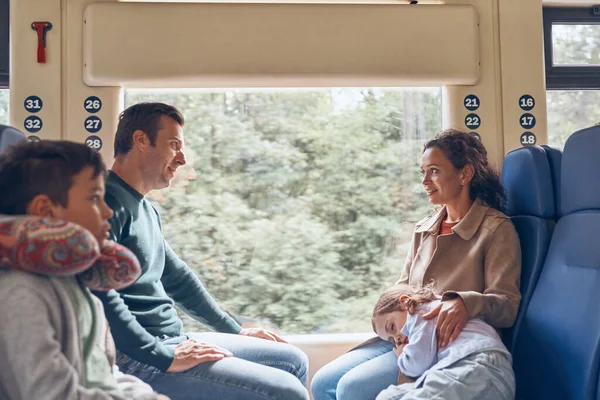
(446, 227)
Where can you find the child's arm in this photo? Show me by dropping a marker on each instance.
(33, 365)
(421, 351)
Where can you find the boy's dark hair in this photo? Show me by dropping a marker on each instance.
(146, 118)
(45, 167)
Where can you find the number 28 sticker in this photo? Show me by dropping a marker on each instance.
(93, 142)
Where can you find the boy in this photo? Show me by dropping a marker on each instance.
(54, 341)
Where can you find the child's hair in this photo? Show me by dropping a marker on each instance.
(389, 301)
(45, 167)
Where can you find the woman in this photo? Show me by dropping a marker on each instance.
(469, 248)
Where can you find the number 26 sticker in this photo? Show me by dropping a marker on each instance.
(92, 104)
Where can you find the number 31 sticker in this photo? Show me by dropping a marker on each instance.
(93, 142)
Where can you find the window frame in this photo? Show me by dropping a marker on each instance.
(4, 43)
(561, 77)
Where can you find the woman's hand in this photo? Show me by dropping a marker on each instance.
(452, 317)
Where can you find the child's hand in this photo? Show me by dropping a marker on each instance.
(398, 349)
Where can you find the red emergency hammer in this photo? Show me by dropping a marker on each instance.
(41, 28)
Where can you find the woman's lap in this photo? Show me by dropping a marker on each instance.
(486, 375)
(358, 374)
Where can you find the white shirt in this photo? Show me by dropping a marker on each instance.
(422, 354)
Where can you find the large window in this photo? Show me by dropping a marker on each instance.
(297, 206)
(570, 111)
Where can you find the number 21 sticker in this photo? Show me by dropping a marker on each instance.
(471, 102)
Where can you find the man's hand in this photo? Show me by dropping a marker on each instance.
(190, 353)
(262, 334)
(452, 317)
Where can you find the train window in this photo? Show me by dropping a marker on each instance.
(572, 74)
(297, 206)
(570, 111)
(576, 44)
(4, 100)
(572, 48)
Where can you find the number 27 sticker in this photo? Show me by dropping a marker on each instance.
(93, 124)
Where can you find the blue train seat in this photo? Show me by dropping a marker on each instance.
(557, 348)
(555, 157)
(9, 136)
(526, 176)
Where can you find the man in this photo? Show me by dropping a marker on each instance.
(231, 363)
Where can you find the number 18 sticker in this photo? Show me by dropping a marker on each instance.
(528, 139)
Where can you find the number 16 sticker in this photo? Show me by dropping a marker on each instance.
(93, 124)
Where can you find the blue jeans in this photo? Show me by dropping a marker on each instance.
(359, 374)
(259, 370)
